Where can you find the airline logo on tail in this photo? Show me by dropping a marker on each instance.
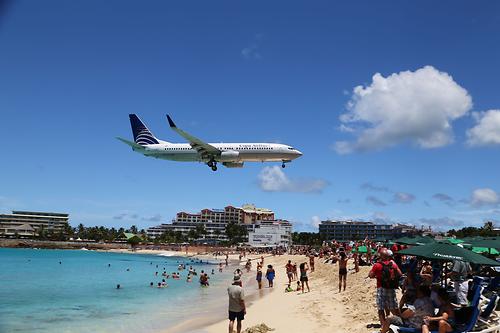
(142, 135)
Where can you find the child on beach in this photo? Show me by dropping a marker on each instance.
(342, 270)
(303, 276)
(259, 277)
(220, 267)
(298, 286)
(270, 273)
(288, 289)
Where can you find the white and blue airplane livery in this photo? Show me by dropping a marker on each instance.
(231, 155)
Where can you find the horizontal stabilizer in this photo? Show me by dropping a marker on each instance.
(131, 144)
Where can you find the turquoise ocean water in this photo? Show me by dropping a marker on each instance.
(39, 294)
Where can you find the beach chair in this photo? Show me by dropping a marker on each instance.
(487, 315)
(467, 326)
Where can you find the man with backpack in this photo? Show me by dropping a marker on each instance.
(387, 274)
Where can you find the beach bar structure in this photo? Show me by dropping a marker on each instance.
(29, 224)
(270, 234)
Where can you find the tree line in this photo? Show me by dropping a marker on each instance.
(234, 233)
(487, 230)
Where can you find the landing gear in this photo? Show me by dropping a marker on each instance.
(283, 165)
(213, 165)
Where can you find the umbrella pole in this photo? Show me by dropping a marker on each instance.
(445, 270)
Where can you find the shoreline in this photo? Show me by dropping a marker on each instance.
(320, 310)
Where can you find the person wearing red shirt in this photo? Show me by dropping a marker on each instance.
(386, 286)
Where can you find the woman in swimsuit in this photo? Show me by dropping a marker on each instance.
(303, 276)
(270, 273)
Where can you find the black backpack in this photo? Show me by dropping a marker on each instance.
(390, 276)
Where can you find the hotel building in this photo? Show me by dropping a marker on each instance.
(354, 230)
(214, 221)
(29, 224)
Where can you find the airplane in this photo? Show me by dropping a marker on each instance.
(231, 155)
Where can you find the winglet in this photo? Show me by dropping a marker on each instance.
(170, 122)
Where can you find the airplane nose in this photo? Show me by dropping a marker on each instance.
(298, 152)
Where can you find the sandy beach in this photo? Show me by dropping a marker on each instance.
(323, 309)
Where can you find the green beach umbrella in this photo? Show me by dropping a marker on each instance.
(485, 242)
(403, 240)
(448, 252)
(361, 249)
(488, 250)
(454, 240)
(419, 240)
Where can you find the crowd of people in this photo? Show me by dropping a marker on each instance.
(430, 291)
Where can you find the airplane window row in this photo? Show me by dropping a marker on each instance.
(243, 148)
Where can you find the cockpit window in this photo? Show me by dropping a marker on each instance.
(291, 148)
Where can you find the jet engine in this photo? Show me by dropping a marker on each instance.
(229, 156)
(233, 164)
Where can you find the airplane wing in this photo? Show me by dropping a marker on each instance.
(131, 143)
(203, 148)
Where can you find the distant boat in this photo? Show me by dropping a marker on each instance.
(84, 249)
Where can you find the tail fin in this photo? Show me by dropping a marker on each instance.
(142, 135)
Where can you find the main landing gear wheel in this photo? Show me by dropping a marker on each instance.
(283, 165)
(212, 165)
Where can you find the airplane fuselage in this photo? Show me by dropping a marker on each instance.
(231, 152)
(231, 155)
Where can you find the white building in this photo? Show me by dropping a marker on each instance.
(270, 234)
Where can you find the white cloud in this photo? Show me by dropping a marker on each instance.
(445, 198)
(375, 201)
(416, 107)
(376, 188)
(315, 221)
(273, 179)
(484, 196)
(402, 197)
(487, 130)
(252, 50)
(441, 223)
(153, 218)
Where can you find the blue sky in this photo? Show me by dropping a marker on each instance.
(417, 143)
